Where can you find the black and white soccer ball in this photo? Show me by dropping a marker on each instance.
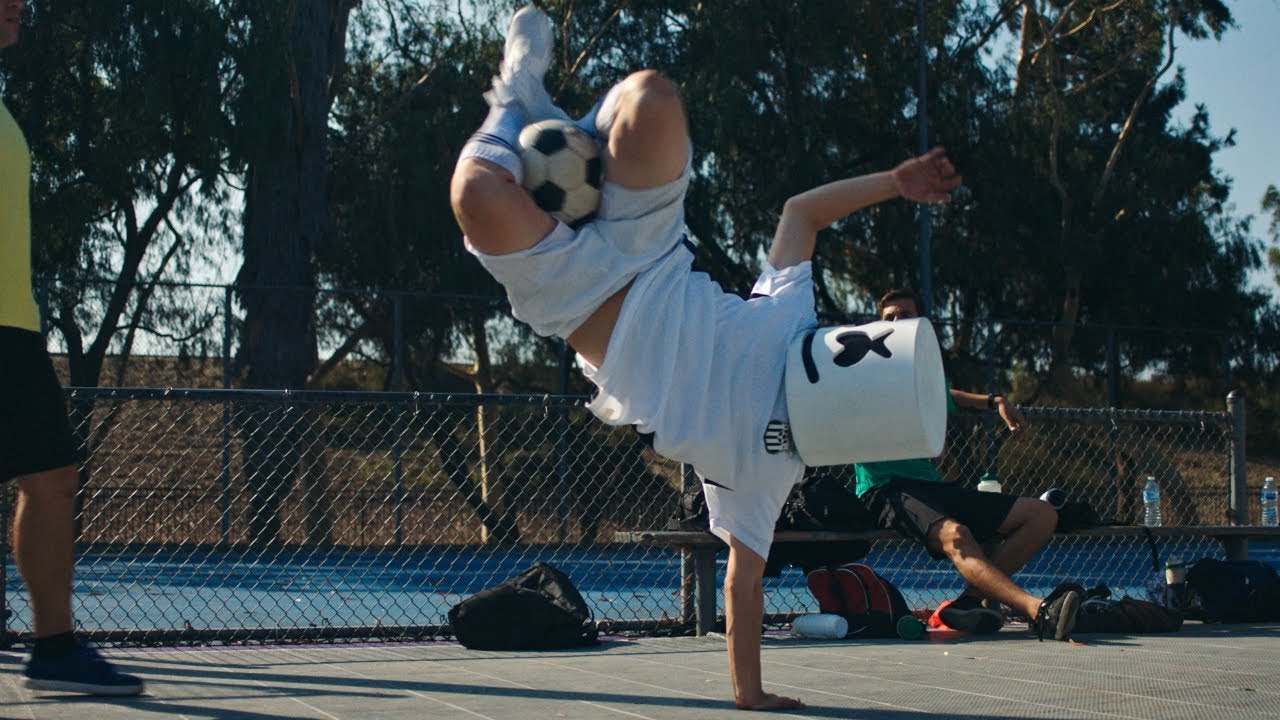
(563, 169)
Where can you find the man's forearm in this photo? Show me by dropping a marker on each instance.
(744, 615)
(807, 213)
(828, 203)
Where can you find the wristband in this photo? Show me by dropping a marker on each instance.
(991, 401)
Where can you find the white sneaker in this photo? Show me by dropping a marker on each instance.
(529, 44)
(524, 65)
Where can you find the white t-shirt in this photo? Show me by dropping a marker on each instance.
(702, 370)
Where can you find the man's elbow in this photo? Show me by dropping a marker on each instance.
(797, 213)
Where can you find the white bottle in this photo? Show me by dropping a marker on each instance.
(988, 483)
(1269, 518)
(820, 626)
(1151, 503)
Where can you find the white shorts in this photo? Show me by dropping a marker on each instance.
(555, 285)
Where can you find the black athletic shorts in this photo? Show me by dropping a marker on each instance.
(913, 507)
(35, 434)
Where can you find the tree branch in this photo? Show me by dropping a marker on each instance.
(1127, 130)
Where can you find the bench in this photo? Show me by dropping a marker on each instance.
(698, 586)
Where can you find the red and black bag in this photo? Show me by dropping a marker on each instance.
(870, 603)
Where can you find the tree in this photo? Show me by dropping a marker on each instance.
(1271, 204)
(1093, 207)
(122, 107)
(292, 64)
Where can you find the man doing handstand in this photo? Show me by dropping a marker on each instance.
(668, 350)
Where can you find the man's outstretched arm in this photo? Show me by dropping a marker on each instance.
(743, 618)
(928, 178)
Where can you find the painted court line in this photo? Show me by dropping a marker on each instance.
(408, 658)
(1190, 660)
(967, 693)
(285, 694)
(819, 691)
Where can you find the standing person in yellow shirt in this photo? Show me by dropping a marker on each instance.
(36, 445)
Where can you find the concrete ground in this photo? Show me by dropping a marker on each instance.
(1204, 671)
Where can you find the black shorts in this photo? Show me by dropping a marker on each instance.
(913, 507)
(35, 434)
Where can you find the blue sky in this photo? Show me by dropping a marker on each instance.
(1237, 80)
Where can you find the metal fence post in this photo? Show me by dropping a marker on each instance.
(1113, 368)
(226, 416)
(1226, 361)
(562, 449)
(397, 445)
(991, 358)
(1238, 503)
(688, 567)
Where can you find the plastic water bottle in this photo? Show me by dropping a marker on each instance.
(988, 483)
(1151, 503)
(820, 626)
(1269, 518)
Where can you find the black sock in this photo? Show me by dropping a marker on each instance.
(55, 646)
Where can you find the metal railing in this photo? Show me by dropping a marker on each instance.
(225, 515)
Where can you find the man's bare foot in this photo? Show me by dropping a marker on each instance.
(771, 702)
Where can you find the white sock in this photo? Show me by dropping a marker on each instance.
(496, 140)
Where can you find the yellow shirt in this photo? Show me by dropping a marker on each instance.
(17, 304)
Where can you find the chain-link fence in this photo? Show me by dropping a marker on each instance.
(224, 515)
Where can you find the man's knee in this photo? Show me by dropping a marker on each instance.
(647, 92)
(1032, 514)
(475, 184)
(955, 540)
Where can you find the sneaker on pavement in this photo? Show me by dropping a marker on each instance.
(1057, 616)
(968, 614)
(83, 671)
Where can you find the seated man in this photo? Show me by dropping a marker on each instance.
(954, 522)
(668, 351)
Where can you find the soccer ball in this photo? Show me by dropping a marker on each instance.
(563, 170)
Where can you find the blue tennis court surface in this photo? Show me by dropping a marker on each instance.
(206, 589)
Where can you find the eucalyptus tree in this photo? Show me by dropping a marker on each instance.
(290, 59)
(123, 107)
(1086, 203)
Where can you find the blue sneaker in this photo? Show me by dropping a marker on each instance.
(83, 671)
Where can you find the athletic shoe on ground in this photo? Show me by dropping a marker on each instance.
(935, 620)
(83, 671)
(967, 613)
(525, 60)
(1057, 616)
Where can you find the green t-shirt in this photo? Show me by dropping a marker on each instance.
(874, 474)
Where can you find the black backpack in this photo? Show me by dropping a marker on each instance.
(1235, 591)
(539, 609)
(822, 501)
(818, 502)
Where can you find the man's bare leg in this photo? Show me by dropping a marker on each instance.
(1028, 527)
(743, 617)
(646, 146)
(983, 576)
(44, 545)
